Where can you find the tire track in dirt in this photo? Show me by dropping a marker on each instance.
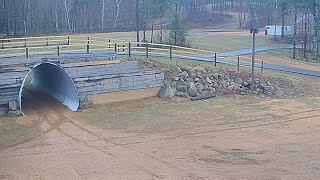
(225, 129)
(55, 125)
(62, 118)
(56, 107)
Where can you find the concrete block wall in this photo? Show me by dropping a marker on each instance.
(89, 79)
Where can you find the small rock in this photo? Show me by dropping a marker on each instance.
(262, 85)
(167, 91)
(184, 74)
(268, 90)
(246, 84)
(196, 79)
(212, 90)
(230, 88)
(238, 81)
(181, 94)
(215, 76)
(257, 81)
(198, 69)
(208, 80)
(237, 87)
(200, 87)
(184, 69)
(192, 74)
(177, 78)
(225, 84)
(243, 93)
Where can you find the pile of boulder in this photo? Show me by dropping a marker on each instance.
(200, 83)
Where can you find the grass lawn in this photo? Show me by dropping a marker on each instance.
(153, 115)
(281, 57)
(11, 131)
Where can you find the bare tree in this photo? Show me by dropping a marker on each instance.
(118, 3)
(67, 6)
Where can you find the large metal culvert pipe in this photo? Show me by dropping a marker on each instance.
(53, 80)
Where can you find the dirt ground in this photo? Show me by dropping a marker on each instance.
(237, 138)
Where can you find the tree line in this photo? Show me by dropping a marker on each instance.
(44, 17)
(32, 17)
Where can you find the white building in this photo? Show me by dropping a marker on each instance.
(276, 30)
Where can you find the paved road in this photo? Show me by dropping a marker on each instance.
(249, 51)
(207, 58)
(267, 66)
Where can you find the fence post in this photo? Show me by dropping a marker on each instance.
(2, 46)
(170, 51)
(109, 45)
(25, 42)
(262, 64)
(27, 52)
(129, 47)
(115, 47)
(47, 42)
(58, 50)
(215, 59)
(238, 64)
(68, 40)
(88, 46)
(147, 50)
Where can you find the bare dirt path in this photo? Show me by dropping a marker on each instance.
(257, 147)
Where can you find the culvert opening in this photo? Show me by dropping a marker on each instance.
(47, 79)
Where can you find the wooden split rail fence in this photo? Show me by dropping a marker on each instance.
(82, 44)
(57, 45)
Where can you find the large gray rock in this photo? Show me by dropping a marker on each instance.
(200, 87)
(83, 98)
(182, 88)
(86, 105)
(13, 106)
(167, 91)
(192, 89)
(16, 113)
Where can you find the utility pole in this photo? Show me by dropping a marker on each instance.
(175, 32)
(295, 30)
(137, 21)
(254, 31)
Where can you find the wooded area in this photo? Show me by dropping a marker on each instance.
(42, 17)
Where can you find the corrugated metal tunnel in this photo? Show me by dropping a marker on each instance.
(52, 80)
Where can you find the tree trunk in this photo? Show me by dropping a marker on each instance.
(137, 21)
(118, 3)
(103, 15)
(282, 26)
